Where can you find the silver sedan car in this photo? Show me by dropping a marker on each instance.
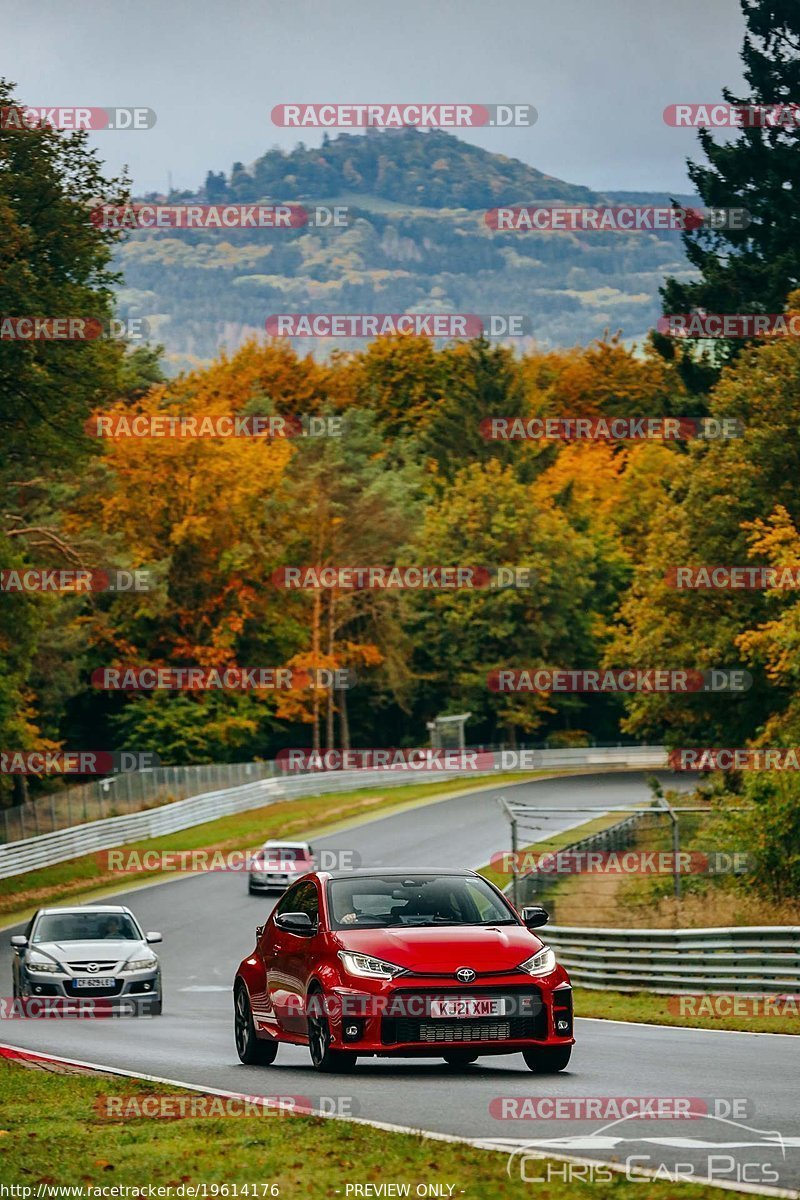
(97, 952)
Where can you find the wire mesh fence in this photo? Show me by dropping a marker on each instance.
(128, 792)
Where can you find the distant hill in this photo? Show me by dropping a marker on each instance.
(417, 239)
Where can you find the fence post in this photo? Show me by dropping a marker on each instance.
(514, 864)
(676, 849)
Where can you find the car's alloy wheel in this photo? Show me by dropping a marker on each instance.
(546, 1060)
(460, 1058)
(250, 1049)
(323, 1058)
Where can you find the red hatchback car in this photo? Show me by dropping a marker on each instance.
(402, 963)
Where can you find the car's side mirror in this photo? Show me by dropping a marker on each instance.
(259, 932)
(535, 916)
(19, 941)
(153, 937)
(295, 922)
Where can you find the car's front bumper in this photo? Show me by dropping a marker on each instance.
(138, 990)
(271, 882)
(394, 1017)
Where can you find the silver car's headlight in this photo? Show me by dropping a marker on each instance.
(44, 966)
(367, 967)
(540, 964)
(139, 964)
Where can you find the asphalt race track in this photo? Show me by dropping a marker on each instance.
(208, 925)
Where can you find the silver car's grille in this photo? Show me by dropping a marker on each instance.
(98, 966)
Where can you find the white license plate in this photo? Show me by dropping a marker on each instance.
(468, 1006)
(90, 983)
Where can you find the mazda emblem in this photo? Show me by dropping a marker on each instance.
(465, 974)
(92, 966)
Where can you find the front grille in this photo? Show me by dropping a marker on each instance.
(102, 968)
(465, 1031)
(525, 1018)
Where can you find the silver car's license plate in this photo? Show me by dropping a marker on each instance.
(93, 983)
(468, 1006)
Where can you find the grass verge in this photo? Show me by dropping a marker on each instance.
(687, 1011)
(51, 1134)
(309, 816)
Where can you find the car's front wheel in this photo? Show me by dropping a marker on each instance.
(323, 1058)
(460, 1058)
(251, 1050)
(546, 1060)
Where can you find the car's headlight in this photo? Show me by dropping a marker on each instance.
(48, 968)
(367, 967)
(541, 964)
(139, 964)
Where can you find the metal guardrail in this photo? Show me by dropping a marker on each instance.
(762, 958)
(34, 852)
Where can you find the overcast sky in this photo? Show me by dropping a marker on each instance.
(599, 72)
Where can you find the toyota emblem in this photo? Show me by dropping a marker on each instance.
(92, 966)
(465, 974)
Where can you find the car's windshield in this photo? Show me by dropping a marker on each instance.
(85, 927)
(378, 902)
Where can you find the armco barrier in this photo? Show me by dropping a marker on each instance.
(763, 958)
(49, 848)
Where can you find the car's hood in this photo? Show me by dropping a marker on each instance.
(103, 950)
(442, 950)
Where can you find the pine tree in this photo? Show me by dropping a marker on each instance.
(751, 270)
